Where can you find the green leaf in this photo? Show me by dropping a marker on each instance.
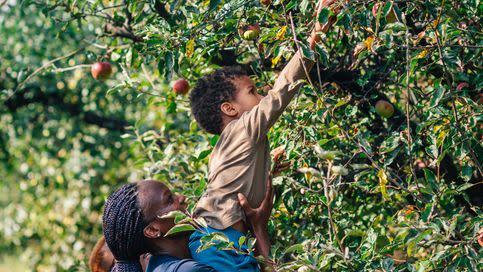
(173, 214)
(169, 65)
(171, 107)
(324, 16)
(344, 20)
(241, 240)
(179, 228)
(214, 140)
(214, 4)
(203, 154)
(413, 242)
(431, 179)
(464, 187)
(437, 95)
(307, 52)
(297, 248)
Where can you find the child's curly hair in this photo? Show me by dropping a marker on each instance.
(209, 93)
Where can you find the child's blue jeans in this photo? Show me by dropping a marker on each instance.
(223, 260)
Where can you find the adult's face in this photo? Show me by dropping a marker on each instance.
(156, 199)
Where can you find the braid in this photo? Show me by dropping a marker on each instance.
(123, 225)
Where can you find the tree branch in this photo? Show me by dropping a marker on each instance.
(33, 94)
(122, 31)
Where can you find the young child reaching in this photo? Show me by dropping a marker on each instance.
(227, 103)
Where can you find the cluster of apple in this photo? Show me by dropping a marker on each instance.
(102, 70)
(251, 32)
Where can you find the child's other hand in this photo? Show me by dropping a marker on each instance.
(279, 165)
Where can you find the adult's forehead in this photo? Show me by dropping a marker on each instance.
(151, 195)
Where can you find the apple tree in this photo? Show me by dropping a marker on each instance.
(384, 137)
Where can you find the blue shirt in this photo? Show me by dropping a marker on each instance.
(166, 263)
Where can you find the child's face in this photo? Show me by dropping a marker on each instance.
(246, 96)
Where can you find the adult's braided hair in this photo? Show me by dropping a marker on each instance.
(123, 225)
(209, 93)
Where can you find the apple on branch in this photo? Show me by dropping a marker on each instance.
(265, 2)
(384, 108)
(101, 70)
(181, 86)
(252, 32)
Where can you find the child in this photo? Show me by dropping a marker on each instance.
(227, 103)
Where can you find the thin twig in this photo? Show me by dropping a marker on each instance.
(38, 70)
(61, 70)
(408, 99)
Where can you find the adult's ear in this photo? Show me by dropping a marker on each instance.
(229, 109)
(153, 231)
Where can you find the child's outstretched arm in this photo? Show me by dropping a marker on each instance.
(261, 118)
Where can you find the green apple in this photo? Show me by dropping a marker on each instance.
(384, 108)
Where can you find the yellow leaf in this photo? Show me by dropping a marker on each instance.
(276, 60)
(436, 23)
(281, 33)
(190, 48)
(368, 29)
(308, 175)
(423, 54)
(382, 183)
(436, 128)
(369, 42)
(441, 137)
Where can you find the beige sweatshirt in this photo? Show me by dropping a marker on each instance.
(240, 161)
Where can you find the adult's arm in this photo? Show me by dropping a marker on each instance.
(258, 219)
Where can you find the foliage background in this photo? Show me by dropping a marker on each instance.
(408, 202)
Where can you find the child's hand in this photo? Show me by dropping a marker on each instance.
(279, 165)
(319, 28)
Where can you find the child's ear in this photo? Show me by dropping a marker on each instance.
(229, 109)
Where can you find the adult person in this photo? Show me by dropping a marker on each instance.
(132, 227)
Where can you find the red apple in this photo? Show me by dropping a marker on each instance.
(419, 164)
(181, 86)
(101, 70)
(254, 27)
(462, 85)
(384, 108)
(265, 2)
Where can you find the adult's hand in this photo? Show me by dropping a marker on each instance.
(258, 219)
